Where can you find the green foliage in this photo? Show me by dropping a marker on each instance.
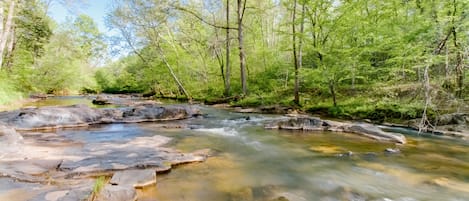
(378, 109)
(32, 28)
(355, 51)
(8, 93)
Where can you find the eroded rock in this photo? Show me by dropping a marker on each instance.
(140, 152)
(82, 115)
(307, 123)
(117, 193)
(134, 178)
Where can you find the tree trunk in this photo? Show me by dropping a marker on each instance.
(180, 86)
(331, 88)
(424, 122)
(295, 56)
(227, 62)
(2, 12)
(298, 56)
(6, 31)
(459, 57)
(10, 49)
(242, 57)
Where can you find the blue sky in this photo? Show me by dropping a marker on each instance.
(96, 9)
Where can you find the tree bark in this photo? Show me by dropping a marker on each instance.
(227, 62)
(459, 56)
(10, 49)
(295, 56)
(424, 122)
(298, 56)
(2, 8)
(242, 56)
(6, 31)
(332, 89)
(181, 87)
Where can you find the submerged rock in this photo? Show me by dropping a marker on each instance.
(392, 151)
(82, 115)
(134, 178)
(307, 123)
(100, 100)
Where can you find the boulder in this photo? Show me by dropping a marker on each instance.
(371, 131)
(451, 119)
(307, 123)
(392, 151)
(50, 117)
(100, 100)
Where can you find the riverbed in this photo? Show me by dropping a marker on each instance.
(248, 162)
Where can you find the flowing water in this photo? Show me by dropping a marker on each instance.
(251, 163)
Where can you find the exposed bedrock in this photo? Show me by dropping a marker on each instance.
(307, 123)
(82, 115)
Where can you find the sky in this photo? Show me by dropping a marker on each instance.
(96, 9)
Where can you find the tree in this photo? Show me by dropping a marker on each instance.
(5, 30)
(241, 10)
(147, 21)
(297, 51)
(89, 38)
(227, 52)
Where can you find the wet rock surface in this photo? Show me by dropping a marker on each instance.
(117, 193)
(64, 168)
(82, 115)
(134, 178)
(307, 123)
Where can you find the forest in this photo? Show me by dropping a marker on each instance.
(366, 59)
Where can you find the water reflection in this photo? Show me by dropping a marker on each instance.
(256, 164)
(250, 163)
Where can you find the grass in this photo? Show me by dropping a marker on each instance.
(98, 186)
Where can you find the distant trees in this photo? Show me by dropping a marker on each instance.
(287, 51)
(37, 55)
(296, 47)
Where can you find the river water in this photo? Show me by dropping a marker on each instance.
(251, 163)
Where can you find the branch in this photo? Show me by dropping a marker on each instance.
(201, 18)
(244, 10)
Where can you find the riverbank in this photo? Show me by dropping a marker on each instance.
(17, 103)
(239, 149)
(62, 167)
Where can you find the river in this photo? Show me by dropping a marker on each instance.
(251, 163)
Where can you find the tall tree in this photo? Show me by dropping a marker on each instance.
(227, 52)
(297, 51)
(295, 54)
(6, 32)
(241, 10)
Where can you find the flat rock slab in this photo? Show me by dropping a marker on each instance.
(62, 166)
(138, 153)
(117, 193)
(82, 115)
(134, 178)
(307, 123)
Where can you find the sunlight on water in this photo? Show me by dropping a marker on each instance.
(250, 163)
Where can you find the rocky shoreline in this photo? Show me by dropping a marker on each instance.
(307, 123)
(453, 125)
(64, 169)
